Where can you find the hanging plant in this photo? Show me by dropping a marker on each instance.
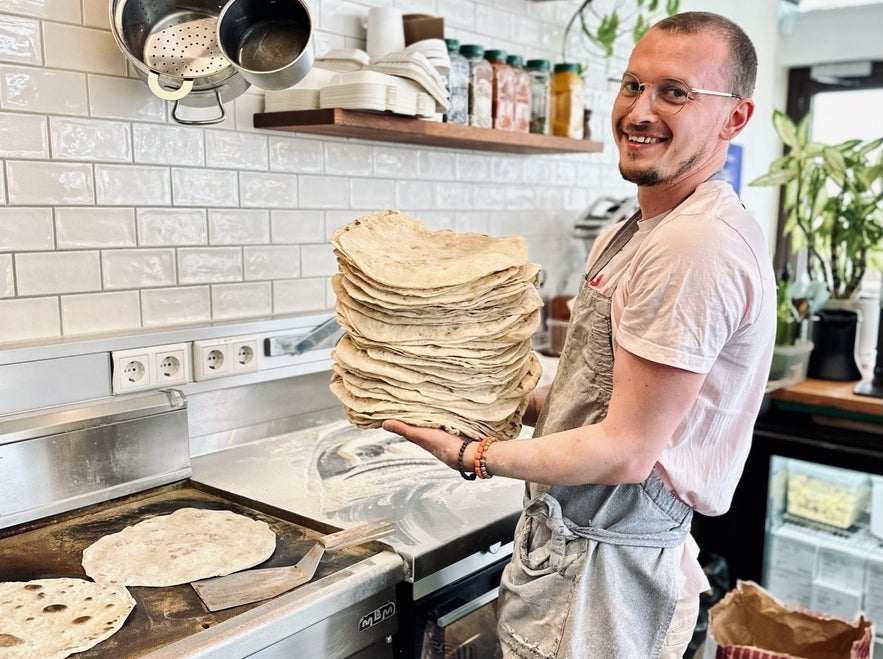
(604, 22)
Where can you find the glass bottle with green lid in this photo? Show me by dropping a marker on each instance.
(481, 82)
(540, 72)
(521, 113)
(458, 85)
(567, 102)
(503, 91)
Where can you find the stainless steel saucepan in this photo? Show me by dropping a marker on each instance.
(269, 41)
(173, 46)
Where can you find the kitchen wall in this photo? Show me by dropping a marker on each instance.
(115, 219)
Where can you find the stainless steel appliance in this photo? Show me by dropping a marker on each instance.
(69, 475)
(455, 536)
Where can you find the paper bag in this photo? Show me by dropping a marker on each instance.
(749, 623)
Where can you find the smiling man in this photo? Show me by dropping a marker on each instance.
(663, 371)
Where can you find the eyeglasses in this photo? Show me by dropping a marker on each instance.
(667, 95)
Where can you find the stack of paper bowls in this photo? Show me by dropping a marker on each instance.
(438, 326)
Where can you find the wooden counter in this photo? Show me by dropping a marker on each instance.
(831, 395)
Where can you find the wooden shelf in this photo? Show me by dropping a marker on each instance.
(386, 127)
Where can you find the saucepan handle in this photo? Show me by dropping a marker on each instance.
(202, 122)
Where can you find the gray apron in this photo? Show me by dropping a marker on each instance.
(594, 571)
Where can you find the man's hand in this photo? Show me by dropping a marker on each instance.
(442, 445)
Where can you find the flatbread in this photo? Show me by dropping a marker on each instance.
(185, 546)
(54, 618)
(407, 243)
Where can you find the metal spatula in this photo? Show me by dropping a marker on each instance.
(250, 586)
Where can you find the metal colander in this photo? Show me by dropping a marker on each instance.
(173, 46)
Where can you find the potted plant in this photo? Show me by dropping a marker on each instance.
(831, 198)
(602, 22)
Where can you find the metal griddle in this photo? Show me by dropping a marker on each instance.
(53, 548)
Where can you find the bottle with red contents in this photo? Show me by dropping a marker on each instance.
(521, 115)
(503, 90)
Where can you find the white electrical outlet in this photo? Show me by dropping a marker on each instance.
(150, 367)
(215, 358)
(171, 364)
(131, 370)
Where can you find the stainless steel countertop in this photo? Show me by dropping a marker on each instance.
(341, 475)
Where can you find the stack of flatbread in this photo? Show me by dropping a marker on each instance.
(438, 326)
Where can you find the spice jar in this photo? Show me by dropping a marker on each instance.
(567, 103)
(481, 85)
(521, 114)
(458, 85)
(540, 71)
(503, 109)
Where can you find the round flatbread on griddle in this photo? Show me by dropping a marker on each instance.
(54, 618)
(187, 545)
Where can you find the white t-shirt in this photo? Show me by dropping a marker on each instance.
(695, 289)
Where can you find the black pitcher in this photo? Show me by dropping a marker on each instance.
(834, 336)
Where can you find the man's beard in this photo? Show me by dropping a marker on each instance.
(650, 177)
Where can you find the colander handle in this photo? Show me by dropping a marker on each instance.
(202, 122)
(168, 94)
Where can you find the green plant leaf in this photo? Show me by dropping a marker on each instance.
(785, 128)
(672, 7)
(606, 33)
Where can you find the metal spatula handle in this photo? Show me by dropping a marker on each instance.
(359, 534)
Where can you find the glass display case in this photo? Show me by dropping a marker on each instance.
(823, 541)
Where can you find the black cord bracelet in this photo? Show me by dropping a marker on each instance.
(471, 475)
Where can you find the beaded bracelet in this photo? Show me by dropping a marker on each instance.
(480, 462)
(466, 442)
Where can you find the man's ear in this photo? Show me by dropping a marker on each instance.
(737, 119)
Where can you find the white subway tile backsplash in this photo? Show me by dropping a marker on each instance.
(204, 265)
(20, 40)
(437, 164)
(396, 162)
(455, 196)
(124, 98)
(322, 191)
(180, 146)
(29, 319)
(137, 268)
(82, 49)
(204, 187)
(272, 262)
(348, 158)
(23, 136)
(176, 306)
(87, 139)
(43, 90)
(415, 194)
(7, 280)
(100, 313)
(49, 183)
(318, 260)
(299, 295)
(293, 226)
(132, 185)
(242, 300)
(78, 227)
(296, 155)
(268, 190)
(152, 223)
(372, 193)
(26, 229)
(53, 273)
(96, 14)
(230, 149)
(238, 227)
(53, 10)
(171, 226)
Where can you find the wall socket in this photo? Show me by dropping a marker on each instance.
(216, 358)
(150, 368)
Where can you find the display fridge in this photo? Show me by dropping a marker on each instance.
(807, 518)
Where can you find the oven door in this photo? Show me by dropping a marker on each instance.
(455, 621)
